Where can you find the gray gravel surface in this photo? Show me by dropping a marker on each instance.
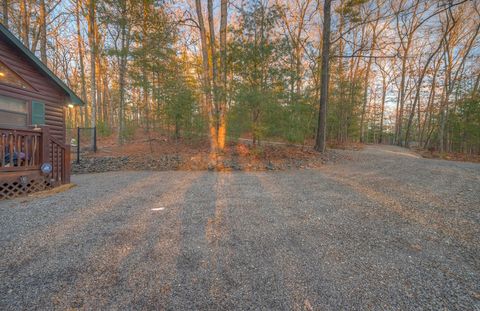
(384, 231)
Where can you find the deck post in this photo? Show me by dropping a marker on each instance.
(45, 152)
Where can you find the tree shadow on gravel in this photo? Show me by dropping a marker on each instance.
(120, 249)
(228, 242)
(192, 279)
(88, 261)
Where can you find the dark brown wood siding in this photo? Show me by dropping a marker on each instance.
(43, 89)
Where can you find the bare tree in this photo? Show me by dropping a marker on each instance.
(207, 85)
(93, 55)
(320, 142)
(43, 32)
(406, 26)
(448, 28)
(223, 69)
(80, 48)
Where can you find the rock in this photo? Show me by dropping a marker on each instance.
(175, 161)
(105, 164)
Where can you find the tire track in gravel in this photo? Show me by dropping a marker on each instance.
(158, 259)
(48, 213)
(323, 264)
(423, 201)
(427, 192)
(421, 193)
(52, 261)
(80, 217)
(459, 233)
(122, 265)
(190, 286)
(30, 250)
(37, 259)
(289, 263)
(255, 235)
(26, 249)
(216, 233)
(381, 277)
(430, 218)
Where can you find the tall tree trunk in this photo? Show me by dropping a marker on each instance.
(106, 99)
(83, 110)
(25, 23)
(206, 79)
(122, 60)
(144, 70)
(93, 53)
(401, 100)
(444, 108)
(99, 77)
(430, 101)
(320, 143)
(121, 104)
(343, 114)
(214, 71)
(384, 95)
(402, 92)
(43, 32)
(367, 78)
(223, 69)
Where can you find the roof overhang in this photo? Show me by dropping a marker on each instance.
(12, 39)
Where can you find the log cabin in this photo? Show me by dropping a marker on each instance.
(33, 153)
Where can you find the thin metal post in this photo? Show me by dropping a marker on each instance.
(95, 139)
(78, 145)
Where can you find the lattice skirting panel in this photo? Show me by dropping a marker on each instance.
(12, 188)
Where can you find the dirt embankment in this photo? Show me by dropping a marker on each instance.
(451, 156)
(240, 157)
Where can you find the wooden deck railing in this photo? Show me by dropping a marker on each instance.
(27, 149)
(20, 150)
(60, 159)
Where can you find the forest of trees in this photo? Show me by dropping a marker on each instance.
(403, 72)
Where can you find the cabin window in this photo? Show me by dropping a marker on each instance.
(7, 76)
(13, 112)
(38, 113)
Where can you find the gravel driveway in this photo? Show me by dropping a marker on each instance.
(384, 231)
